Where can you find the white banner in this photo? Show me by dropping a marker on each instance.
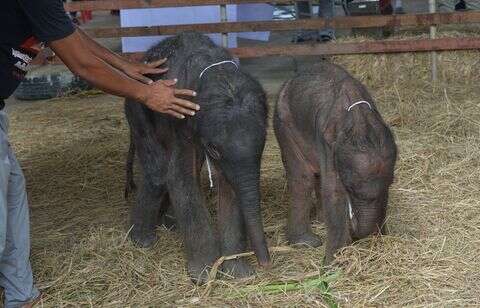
(192, 15)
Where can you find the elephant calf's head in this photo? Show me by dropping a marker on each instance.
(365, 158)
(232, 129)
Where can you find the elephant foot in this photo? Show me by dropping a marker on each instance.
(238, 268)
(306, 239)
(198, 272)
(200, 264)
(328, 258)
(169, 222)
(143, 239)
(319, 217)
(384, 230)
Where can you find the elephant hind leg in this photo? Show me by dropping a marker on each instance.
(144, 215)
(300, 179)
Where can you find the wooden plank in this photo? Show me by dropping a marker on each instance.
(397, 46)
(419, 20)
(106, 5)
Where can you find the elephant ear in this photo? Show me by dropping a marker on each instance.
(255, 103)
(192, 68)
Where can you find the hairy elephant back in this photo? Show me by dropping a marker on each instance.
(187, 55)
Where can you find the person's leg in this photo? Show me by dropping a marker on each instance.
(461, 5)
(304, 11)
(326, 9)
(398, 8)
(15, 271)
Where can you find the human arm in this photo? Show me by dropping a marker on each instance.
(159, 96)
(51, 25)
(132, 69)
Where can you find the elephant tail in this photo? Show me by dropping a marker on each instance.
(129, 180)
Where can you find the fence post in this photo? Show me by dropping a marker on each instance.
(223, 18)
(433, 34)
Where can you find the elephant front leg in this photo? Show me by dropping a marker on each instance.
(233, 237)
(335, 210)
(318, 202)
(166, 216)
(193, 219)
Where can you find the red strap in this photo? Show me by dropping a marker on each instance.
(31, 45)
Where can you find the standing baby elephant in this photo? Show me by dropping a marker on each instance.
(334, 142)
(229, 132)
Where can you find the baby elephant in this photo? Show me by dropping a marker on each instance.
(228, 132)
(334, 142)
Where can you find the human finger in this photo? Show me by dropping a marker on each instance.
(156, 63)
(175, 114)
(185, 92)
(155, 70)
(182, 110)
(186, 104)
(142, 78)
(169, 82)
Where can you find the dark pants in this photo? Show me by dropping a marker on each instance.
(325, 10)
(461, 5)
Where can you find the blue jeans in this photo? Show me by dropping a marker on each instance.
(15, 271)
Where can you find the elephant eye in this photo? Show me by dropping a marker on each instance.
(212, 151)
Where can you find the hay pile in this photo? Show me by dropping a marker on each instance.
(72, 151)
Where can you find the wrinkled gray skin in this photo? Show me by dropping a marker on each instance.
(230, 128)
(344, 156)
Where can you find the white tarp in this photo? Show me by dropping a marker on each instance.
(192, 15)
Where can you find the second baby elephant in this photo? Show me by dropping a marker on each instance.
(334, 142)
(228, 132)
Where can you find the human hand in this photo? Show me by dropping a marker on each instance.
(137, 70)
(162, 97)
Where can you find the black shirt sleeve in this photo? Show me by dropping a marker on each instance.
(48, 19)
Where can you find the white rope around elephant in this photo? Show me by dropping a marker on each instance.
(359, 103)
(209, 169)
(216, 64)
(350, 210)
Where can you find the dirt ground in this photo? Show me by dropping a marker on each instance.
(73, 150)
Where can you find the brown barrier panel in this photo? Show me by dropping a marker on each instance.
(442, 44)
(316, 23)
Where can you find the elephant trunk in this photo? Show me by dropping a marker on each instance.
(248, 194)
(368, 220)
